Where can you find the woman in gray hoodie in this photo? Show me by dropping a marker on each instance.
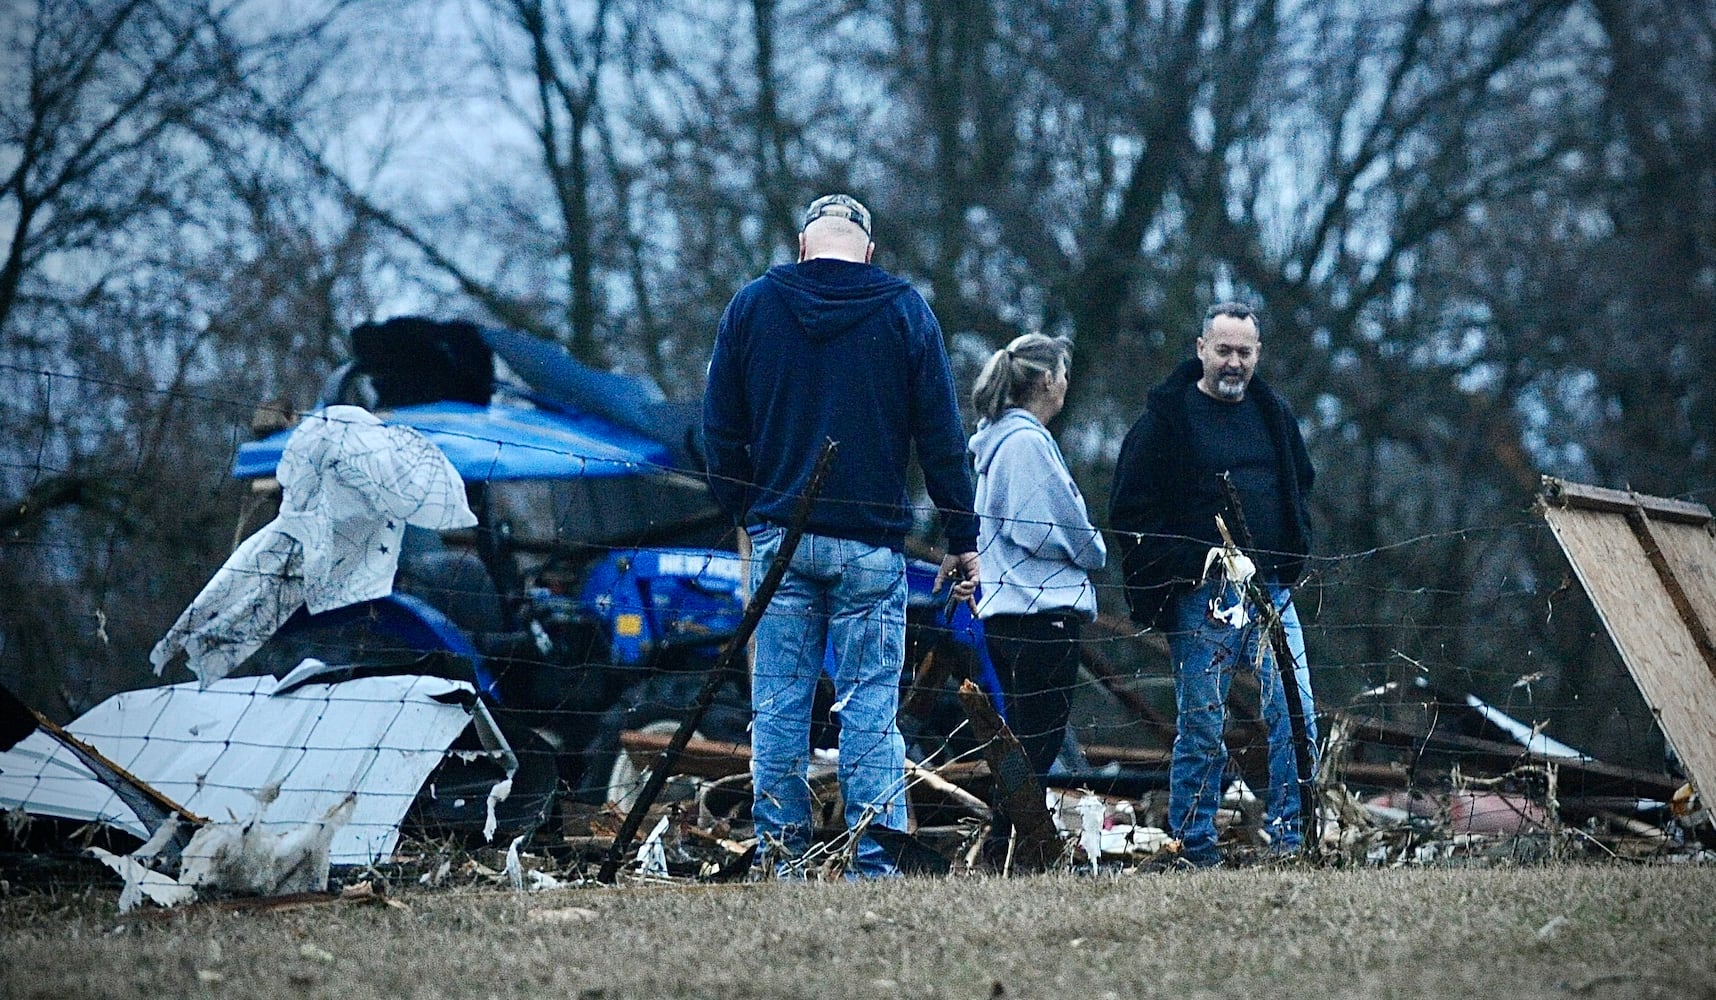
(1035, 541)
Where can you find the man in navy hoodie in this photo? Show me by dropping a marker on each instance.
(834, 348)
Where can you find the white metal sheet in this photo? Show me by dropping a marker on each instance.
(209, 749)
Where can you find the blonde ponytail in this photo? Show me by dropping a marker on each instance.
(1015, 373)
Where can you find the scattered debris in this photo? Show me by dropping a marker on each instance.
(1497, 814)
(931, 779)
(209, 748)
(19, 722)
(514, 870)
(1459, 782)
(144, 883)
(338, 777)
(1091, 811)
(245, 859)
(497, 795)
(652, 857)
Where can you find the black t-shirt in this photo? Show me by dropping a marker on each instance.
(1233, 438)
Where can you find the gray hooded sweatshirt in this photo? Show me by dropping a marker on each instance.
(1034, 537)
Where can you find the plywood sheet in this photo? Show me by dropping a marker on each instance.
(1659, 651)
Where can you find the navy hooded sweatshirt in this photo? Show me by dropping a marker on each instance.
(843, 351)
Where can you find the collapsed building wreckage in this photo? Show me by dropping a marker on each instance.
(701, 832)
(1445, 778)
(329, 760)
(304, 765)
(563, 619)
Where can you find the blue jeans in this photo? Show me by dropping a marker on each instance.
(852, 596)
(1206, 654)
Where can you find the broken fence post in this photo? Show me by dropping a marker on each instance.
(759, 602)
(1038, 840)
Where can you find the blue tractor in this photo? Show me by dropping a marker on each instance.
(600, 584)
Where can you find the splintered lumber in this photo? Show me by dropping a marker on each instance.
(1038, 844)
(1578, 777)
(701, 758)
(920, 774)
(1579, 496)
(713, 760)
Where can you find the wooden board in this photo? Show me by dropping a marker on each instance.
(1659, 651)
(1690, 551)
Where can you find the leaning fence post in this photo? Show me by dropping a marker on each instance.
(1020, 797)
(1304, 758)
(718, 673)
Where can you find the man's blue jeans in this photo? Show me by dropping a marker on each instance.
(1207, 652)
(852, 597)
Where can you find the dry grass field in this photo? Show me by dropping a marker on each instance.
(1554, 931)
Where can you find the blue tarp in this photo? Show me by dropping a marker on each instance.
(632, 402)
(502, 442)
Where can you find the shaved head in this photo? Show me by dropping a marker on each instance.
(840, 239)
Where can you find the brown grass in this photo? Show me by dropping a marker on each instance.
(1560, 931)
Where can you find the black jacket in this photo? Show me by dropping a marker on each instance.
(1162, 538)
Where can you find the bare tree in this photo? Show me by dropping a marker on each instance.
(160, 280)
(1481, 233)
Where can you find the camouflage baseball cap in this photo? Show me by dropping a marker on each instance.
(839, 206)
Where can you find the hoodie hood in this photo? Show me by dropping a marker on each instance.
(989, 436)
(829, 297)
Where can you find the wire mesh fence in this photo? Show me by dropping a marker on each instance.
(526, 671)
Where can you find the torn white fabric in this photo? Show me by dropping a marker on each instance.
(1237, 569)
(652, 856)
(1235, 616)
(348, 487)
(1091, 812)
(514, 870)
(1236, 566)
(143, 883)
(497, 795)
(247, 858)
(158, 842)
